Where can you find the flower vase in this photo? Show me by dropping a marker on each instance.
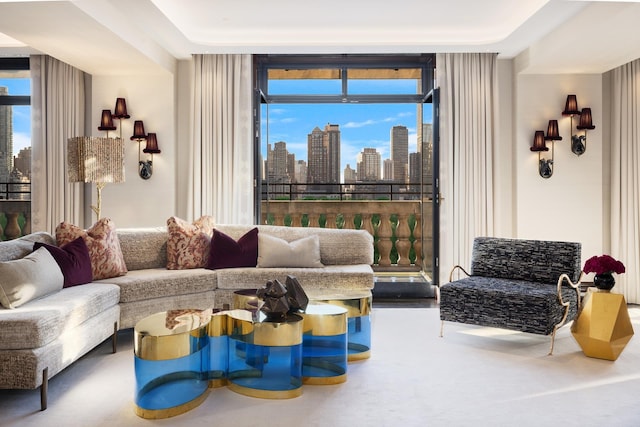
(604, 281)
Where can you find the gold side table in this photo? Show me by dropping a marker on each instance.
(603, 327)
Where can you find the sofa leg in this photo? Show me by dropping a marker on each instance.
(114, 338)
(43, 389)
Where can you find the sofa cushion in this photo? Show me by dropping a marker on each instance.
(337, 246)
(23, 246)
(276, 252)
(334, 277)
(144, 247)
(225, 252)
(514, 304)
(73, 259)
(29, 278)
(159, 282)
(104, 246)
(41, 321)
(188, 244)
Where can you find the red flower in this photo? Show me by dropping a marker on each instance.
(603, 264)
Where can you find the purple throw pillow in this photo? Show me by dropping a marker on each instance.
(73, 259)
(224, 252)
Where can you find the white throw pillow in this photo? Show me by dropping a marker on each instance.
(28, 278)
(275, 252)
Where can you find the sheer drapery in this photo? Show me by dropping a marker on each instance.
(57, 105)
(468, 98)
(625, 177)
(221, 149)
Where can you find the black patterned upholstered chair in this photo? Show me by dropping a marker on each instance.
(523, 285)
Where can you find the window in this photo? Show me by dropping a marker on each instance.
(346, 128)
(15, 147)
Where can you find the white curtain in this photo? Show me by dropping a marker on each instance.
(625, 177)
(468, 108)
(221, 154)
(57, 105)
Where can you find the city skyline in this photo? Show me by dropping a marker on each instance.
(361, 126)
(21, 113)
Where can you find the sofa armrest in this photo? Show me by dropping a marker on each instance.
(453, 270)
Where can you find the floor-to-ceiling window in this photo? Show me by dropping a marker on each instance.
(15, 147)
(346, 141)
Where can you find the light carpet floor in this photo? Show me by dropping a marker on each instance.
(473, 376)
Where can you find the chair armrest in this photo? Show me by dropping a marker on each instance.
(575, 286)
(457, 267)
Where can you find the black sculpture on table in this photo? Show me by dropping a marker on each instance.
(280, 300)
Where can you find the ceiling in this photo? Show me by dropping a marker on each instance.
(111, 37)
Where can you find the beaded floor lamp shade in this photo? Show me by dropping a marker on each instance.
(95, 159)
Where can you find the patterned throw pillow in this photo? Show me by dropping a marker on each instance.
(103, 244)
(188, 244)
(227, 253)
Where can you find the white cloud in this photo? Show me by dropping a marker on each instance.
(20, 141)
(359, 124)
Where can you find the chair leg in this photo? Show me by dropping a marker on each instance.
(553, 340)
(441, 328)
(43, 389)
(114, 338)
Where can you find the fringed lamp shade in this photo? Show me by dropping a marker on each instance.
(95, 159)
(120, 111)
(106, 121)
(152, 144)
(571, 106)
(552, 131)
(586, 122)
(538, 142)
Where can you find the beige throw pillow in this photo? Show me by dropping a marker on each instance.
(28, 278)
(275, 252)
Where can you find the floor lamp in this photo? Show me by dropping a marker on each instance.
(95, 159)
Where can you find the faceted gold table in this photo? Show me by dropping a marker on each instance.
(603, 328)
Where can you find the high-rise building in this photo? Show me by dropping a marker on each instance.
(301, 171)
(368, 167)
(350, 175)
(387, 174)
(291, 166)
(316, 157)
(332, 142)
(415, 170)
(22, 162)
(277, 160)
(323, 155)
(400, 153)
(6, 138)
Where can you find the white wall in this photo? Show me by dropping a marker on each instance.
(150, 98)
(568, 205)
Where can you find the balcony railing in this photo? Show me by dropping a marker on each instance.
(401, 229)
(15, 209)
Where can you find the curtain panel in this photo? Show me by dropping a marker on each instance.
(57, 105)
(221, 153)
(625, 177)
(468, 108)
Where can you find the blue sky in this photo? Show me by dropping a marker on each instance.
(361, 126)
(21, 114)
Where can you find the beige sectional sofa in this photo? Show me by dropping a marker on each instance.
(43, 336)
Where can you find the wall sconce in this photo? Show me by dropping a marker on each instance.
(545, 166)
(106, 122)
(145, 167)
(578, 143)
